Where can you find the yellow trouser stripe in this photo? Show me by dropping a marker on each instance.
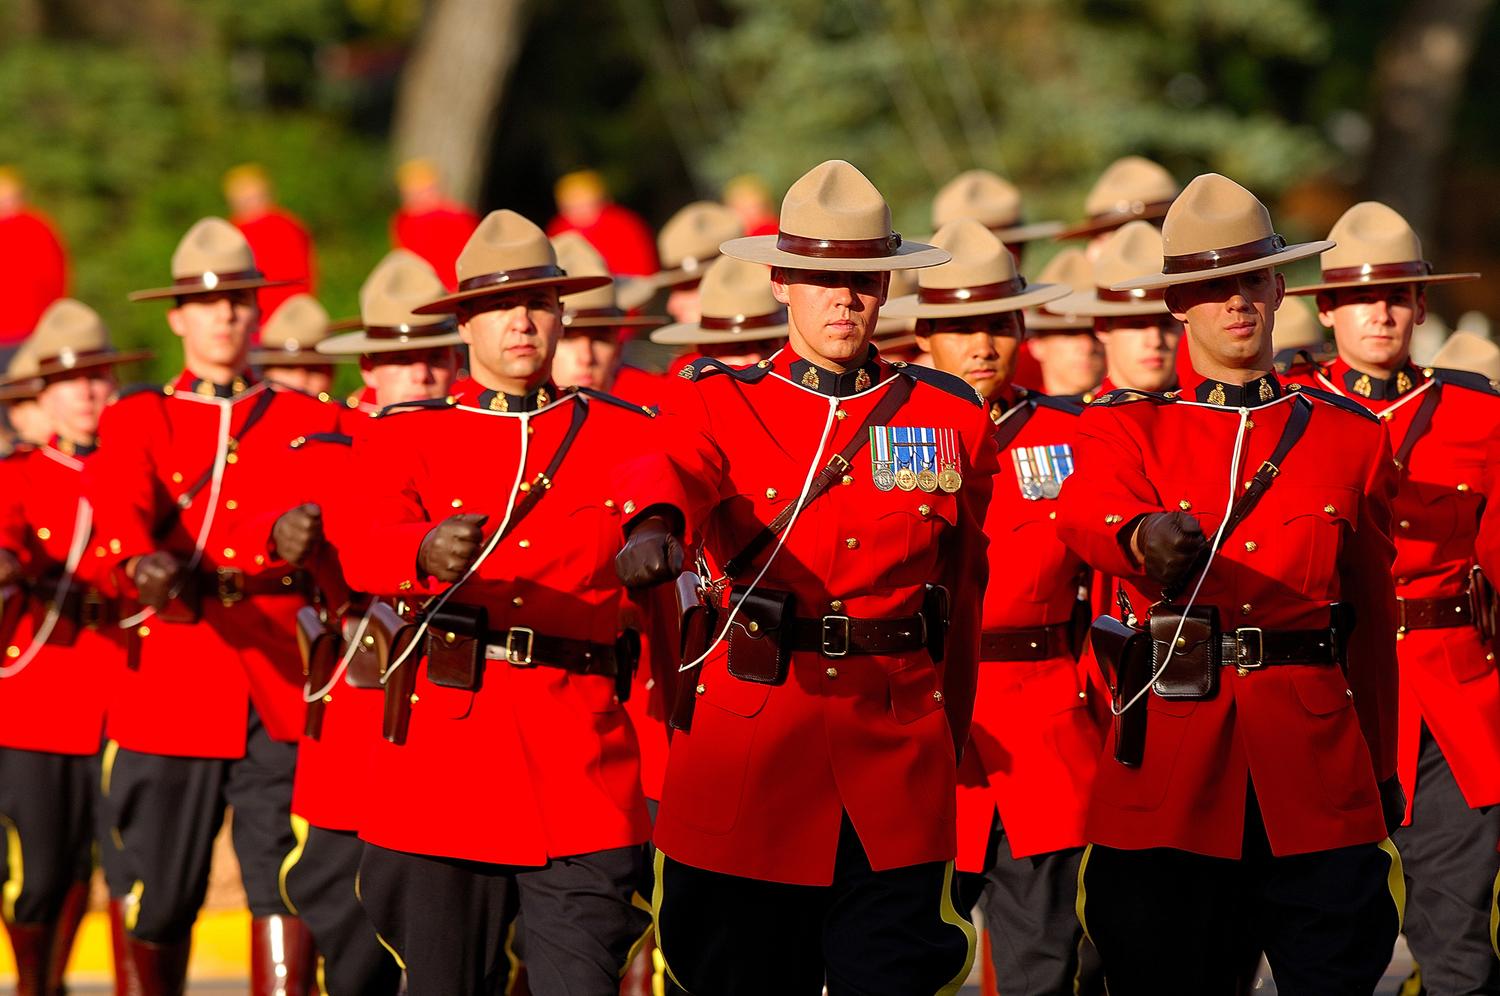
(15, 878)
(383, 943)
(639, 902)
(1495, 917)
(320, 976)
(1396, 881)
(107, 767)
(951, 917)
(299, 831)
(513, 958)
(1078, 904)
(133, 905)
(656, 896)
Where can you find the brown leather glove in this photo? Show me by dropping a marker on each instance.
(452, 545)
(10, 568)
(651, 555)
(297, 533)
(157, 574)
(1169, 544)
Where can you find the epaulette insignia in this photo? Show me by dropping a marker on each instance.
(1130, 395)
(1293, 357)
(610, 399)
(705, 365)
(331, 438)
(942, 380)
(1463, 378)
(423, 404)
(1337, 400)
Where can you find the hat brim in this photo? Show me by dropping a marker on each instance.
(195, 290)
(1431, 278)
(25, 389)
(1109, 222)
(1021, 234)
(1034, 296)
(1045, 321)
(614, 321)
(679, 275)
(1084, 304)
(691, 334)
(293, 358)
(360, 343)
(762, 249)
(564, 285)
(1155, 281)
(634, 292)
(53, 368)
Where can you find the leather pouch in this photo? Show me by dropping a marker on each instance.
(455, 645)
(698, 623)
(935, 613)
(364, 663)
(1193, 671)
(320, 645)
(1124, 654)
(758, 640)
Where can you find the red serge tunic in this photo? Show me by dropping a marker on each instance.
(191, 684)
(556, 751)
(283, 250)
(1034, 743)
(759, 786)
(1448, 676)
(57, 701)
(1313, 742)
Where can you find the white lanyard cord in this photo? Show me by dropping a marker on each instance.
(82, 525)
(812, 472)
(1213, 551)
(338, 672)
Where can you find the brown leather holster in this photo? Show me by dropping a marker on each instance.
(321, 646)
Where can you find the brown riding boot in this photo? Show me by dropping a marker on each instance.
(283, 958)
(63, 933)
(158, 969)
(127, 981)
(30, 942)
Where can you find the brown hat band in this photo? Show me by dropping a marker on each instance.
(211, 279)
(963, 295)
(596, 313)
(738, 322)
(839, 248)
(1211, 259)
(1139, 294)
(1415, 269)
(410, 331)
(70, 358)
(1132, 210)
(511, 276)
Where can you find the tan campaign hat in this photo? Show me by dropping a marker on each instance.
(833, 219)
(1375, 245)
(291, 336)
(736, 306)
(21, 381)
(1217, 228)
(1296, 326)
(1130, 188)
(980, 279)
(388, 319)
(70, 336)
(690, 240)
(1128, 250)
(1467, 351)
(599, 307)
(213, 256)
(992, 201)
(1072, 268)
(505, 252)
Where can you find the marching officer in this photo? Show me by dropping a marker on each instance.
(1132, 188)
(288, 353)
(688, 242)
(61, 658)
(1135, 327)
(1023, 784)
(995, 203)
(1249, 787)
(808, 807)
(517, 786)
(202, 520)
(589, 353)
(1066, 358)
(740, 322)
(21, 385)
(1373, 295)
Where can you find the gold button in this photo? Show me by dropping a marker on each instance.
(832, 672)
(98, 551)
(1113, 520)
(846, 480)
(924, 510)
(232, 458)
(176, 478)
(12, 651)
(525, 487)
(1184, 504)
(1181, 642)
(414, 699)
(1404, 524)
(231, 504)
(259, 560)
(628, 508)
(1330, 510)
(327, 699)
(852, 543)
(1295, 387)
(937, 696)
(518, 601)
(369, 641)
(114, 546)
(448, 638)
(44, 533)
(1245, 609)
(609, 503)
(840, 414)
(763, 364)
(524, 544)
(1051, 515)
(229, 552)
(754, 626)
(404, 586)
(771, 493)
(457, 503)
(1249, 423)
(836, 605)
(1402, 580)
(1463, 487)
(700, 689)
(286, 582)
(1250, 546)
(143, 631)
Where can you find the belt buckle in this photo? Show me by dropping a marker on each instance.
(230, 582)
(513, 655)
(91, 609)
(1244, 659)
(835, 628)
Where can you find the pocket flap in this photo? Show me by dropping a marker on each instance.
(916, 690)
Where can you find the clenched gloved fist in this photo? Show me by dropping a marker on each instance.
(1168, 543)
(1392, 803)
(297, 533)
(156, 576)
(652, 554)
(452, 545)
(10, 568)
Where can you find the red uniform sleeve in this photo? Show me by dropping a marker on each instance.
(1365, 580)
(1487, 544)
(120, 480)
(968, 574)
(1105, 494)
(685, 470)
(391, 513)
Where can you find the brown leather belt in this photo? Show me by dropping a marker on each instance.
(1433, 613)
(523, 647)
(83, 605)
(841, 636)
(230, 584)
(1251, 648)
(1037, 643)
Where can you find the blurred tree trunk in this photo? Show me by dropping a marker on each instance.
(451, 87)
(1419, 78)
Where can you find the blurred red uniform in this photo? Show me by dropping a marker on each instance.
(283, 250)
(33, 272)
(437, 234)
(622, 237)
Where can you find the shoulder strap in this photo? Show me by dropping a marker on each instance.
(1011, 424)
(543, 482)
(900, 389)
(1419, 424)
(262, 404)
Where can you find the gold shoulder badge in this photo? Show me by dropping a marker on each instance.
(862, 381)
(687, 372)
(810, 378)
(1102, 399)
(1266, 391)
(499, 403)
(1216, 396)
(1362, 386)
(1403, 382)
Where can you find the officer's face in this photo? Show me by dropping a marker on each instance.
(1229, 318)
(408, 374)
(215, 328)
(1373, 325)
(981, 349)
(832, 314)
(1140, 351)
(1071, 362)
(73, 405)
(586, 358)
(315, 379)
(512, 342)
(31, 423)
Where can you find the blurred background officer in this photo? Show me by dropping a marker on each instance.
(429, 223)
(33, 263)
(281, 243)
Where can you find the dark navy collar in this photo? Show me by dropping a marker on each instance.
(836, 385)
(1363, 385)
(497, 401)
(1257, 392)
